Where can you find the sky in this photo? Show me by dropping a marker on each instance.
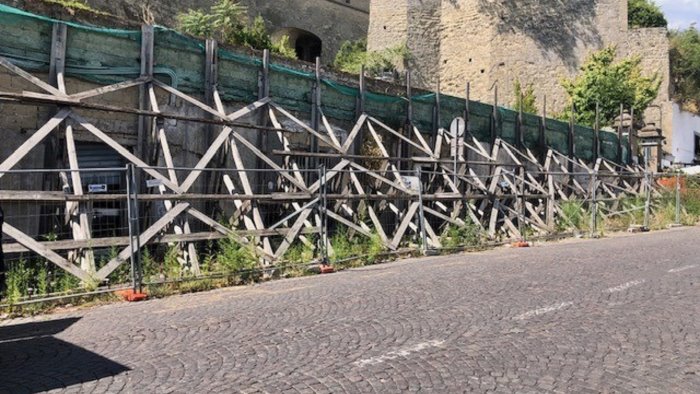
(681, 13)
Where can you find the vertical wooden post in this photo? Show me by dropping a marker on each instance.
(494, 115)
(519, 142)
(467, 129)
(437, 120)
(263, 92)
(58, 56)
(403, 146)
(147, 37)
(542, 140)
(360, 107)
(211, 71)
(57, 64)
(211, 79)
(315, 111)
(357, 144)
(596, 133)
(619, 135)
(572, 137)
(79, 220)
(631, 150)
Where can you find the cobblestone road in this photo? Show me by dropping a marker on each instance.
(614, 315)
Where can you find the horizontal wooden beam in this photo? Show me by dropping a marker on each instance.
(45, 99)
(98, 243)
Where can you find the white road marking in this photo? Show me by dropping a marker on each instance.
(405, 352)
(542, 311)
(681, 269)
(625, 286)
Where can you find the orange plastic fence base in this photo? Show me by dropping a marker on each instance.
(521, 244)
(131, 296)
(327, 269)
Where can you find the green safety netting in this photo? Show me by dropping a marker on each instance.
(114, 56)
(608, 145)
(557, 135)
(583, 144)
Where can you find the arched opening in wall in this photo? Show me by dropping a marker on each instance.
(307, 45)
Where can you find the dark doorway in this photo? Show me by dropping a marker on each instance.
(307, 45)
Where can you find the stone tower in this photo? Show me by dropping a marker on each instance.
(488, 42)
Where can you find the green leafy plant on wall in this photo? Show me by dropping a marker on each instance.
(227, 21)
(354, 54)
(685, 68)
(645, 13)
(75, 5)
(524, 97)
(610, 82)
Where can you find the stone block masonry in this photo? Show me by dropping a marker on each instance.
(538, 42)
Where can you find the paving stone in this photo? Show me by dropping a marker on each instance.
(526, 321)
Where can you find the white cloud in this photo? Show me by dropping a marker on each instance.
(681, 13)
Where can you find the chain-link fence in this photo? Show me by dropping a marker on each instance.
(100, 230)
(55, 241)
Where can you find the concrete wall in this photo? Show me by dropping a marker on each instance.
(686, 128)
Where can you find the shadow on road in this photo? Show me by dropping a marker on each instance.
(33, 360)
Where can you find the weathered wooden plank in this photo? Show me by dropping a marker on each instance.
(33, 141)
(125, 153)
(30, 78)
(109, 89)
(43, 251)
(144, 238)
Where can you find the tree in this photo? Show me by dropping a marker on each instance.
(610, 83)
(645, 13)
(524, 97)
(685, 68)
(227, 21)
(354, 54)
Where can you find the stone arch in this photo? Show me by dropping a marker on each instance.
(306, 44)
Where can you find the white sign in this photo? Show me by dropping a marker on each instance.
(457, 129)
(411, 182)
(97, 188)
(154, 183)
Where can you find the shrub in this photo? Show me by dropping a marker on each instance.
(234, 257)
(354, 54)
(467, 236)
(227, 21)
(571, 216)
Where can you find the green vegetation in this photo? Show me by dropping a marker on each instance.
(610, 82)
(227, 21)
(524, 97)
(645, 13)
(572, 216)
(467, 236)
(36, 278)
(685, 68)
(354, 54)
(358, 249)
(73, 5)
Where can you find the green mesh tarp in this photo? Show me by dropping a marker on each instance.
(557, 135)
(584, 141)
(106, 56)
(531, 131)
(608, 145)
(508, 124)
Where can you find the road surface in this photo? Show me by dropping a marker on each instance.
(615, 315)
